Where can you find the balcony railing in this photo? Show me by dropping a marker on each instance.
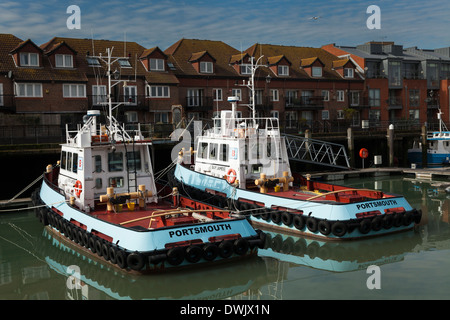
(307, 103)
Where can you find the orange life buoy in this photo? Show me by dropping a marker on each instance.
(78, 188)
(231, 175)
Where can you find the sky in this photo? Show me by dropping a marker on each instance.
(239, 23)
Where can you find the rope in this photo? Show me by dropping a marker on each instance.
(35, 207)
(26, 188)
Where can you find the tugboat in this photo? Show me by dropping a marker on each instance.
(438, 152)
(102, 196)
(243, 164)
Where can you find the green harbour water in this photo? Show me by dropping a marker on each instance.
(413, 265)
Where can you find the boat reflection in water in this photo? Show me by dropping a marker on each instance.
(89, 278)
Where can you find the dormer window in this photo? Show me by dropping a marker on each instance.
(348, 72)
(63, 61)
(206, 67)
(316, 71)
(29, 59)
(246, 69)
(283, 70)
(156, 64)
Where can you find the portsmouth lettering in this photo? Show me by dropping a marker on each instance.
(375, 204)
(199, 229)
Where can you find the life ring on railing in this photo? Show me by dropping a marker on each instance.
(231, 175)
(78, 188)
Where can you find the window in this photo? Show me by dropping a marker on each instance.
(74, 91)
(130, 94)
(161, 117)
(246, 69)
(156, 65)
(116, 182)
(414, 114)
(217, 93)
(325, 95)
(275, 114)
(283, 70)
(236, 93)
(29, 90)
(354, 98)
(325, 115)
(414, 98)
(124, 63)
(115, 161)
(340, 95)
(93, 62)
(29, 59)
(98, 163)
(274, 95)
(223, 156)
(69, 161)
(206, 67)
(194, 97)
(63, 160)
(340, 114)
(348, 73)
(75, 163)
(98, 94)
(131, 116)
(316, 71)
(158, 92)
(374, 97)
(213, 151)
(394, 73)
(1, 94)
(134, 160)
(203, 150)
(374, 116)
(63, 61)
(291, 119)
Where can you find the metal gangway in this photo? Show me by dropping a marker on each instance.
(316, 151)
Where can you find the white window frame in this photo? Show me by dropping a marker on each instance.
(1, 95)
(98, 94)
(245, 68)
(158, 91)
(349, 73)
(218, 94)
(124, 63)
(23, 90)
(340, 95)
(325, 115)
(74, 90)
(159, 117)
(26, 61)
(326, 95)
(156, 64)
(340, 114)
(131, 116)
(316, 71)
(206, 67)
(275, 114)
(283, 70)
(66, 61)
(236, 93)
(274, 95)
(130, 92)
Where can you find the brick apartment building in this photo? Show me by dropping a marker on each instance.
(323, 89)
(402, 84)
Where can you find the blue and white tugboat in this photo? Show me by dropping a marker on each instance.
(103, 197)
(242, 164)
(438, 151)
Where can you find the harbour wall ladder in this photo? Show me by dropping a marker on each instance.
(316, 151)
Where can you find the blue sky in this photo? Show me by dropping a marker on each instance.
(240, 23)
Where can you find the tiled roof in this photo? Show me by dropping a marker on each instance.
(275, 60)
(340, 63)
(180, 54)
(295, 55)
(7, 43)
(309, 61)
(132, 50)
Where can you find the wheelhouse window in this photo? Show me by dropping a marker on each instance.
(223, 155)
(116, 182)
(115, 161)
(134, 160)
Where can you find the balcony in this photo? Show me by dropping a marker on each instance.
(304, 103)
(394, 103)
(130, 103)
(199, 103)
